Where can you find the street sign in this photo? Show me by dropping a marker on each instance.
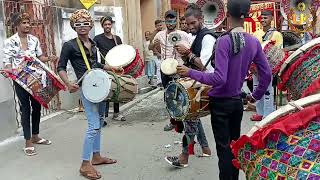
(88, 3)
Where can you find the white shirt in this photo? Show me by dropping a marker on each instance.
(149, 56)
(14, 54)
(167, 48)
(208, 42)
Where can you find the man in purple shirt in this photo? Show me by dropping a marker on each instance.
(235, 51)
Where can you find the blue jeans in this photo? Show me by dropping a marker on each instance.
(265, 105)
(95, 117)
(192, 129)
(150, 69)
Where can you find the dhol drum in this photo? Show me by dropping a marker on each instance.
(284, 145)
(300, 74)
(128, 58)
(169, 66)
(37, 79)
(275, 56)
(96, 85)
(291, 40)
(185, 101)
(123, 88)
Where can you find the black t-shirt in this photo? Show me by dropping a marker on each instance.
(105, 44)
(71, 52)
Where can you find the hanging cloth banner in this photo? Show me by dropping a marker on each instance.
(253, 23)
(88, 3)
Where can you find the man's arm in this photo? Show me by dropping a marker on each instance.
(219, 77)
(8, 55)
(154, 45)
(264, 73)
(208, 43)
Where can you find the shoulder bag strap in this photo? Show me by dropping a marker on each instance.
(84, 56)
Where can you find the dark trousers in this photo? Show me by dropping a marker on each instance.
(116, 108)
(24, 99)
(226, 116)
(166, 79)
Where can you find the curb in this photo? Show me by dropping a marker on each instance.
(137, 100)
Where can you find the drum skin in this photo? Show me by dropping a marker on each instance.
(96, 85)
(181, 101)
(128, 58)
(169, 66)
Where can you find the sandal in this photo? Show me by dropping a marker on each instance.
(119, 118)
(43, 142)
(29, 151)
(106, 161)
(92, 175)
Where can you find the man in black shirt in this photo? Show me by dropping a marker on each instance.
(82, 23)
(105, 42)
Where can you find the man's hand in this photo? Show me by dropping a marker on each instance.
(181, 49)
(183, 70)
(73, 87)
(6, 71)
(118, 70)
(53, 58)
(250, 98)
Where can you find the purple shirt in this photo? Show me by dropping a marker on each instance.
(231, 70)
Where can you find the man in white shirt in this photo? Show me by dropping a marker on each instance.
(163, 43)
(200, 57)
(16, 48)
(149, 58)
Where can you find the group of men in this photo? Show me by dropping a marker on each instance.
(77, 51)
(231, 57)
(222, 63)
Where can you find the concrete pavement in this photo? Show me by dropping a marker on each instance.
(138, 144)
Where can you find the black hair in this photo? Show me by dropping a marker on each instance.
(158, 21)
(193, 10)
(182, 18)
(239, 8)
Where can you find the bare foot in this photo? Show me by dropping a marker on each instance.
(88, 171)
(97, 159)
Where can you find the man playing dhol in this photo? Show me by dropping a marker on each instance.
(81, 21)
(234, 53)
(161, 41)
(198, 57)
(105, 42)
(265, 106)
(16, 48)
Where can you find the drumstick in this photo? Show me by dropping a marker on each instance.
(78, 82)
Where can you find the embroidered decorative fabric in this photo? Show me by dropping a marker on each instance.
(288, 148)
(38, 80)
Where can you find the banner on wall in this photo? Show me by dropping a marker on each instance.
(253, 23)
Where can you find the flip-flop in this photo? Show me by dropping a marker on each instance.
(32, 149)
(92, 175)
(43, 142)
(110, 161)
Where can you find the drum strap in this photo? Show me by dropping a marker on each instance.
(84, 56)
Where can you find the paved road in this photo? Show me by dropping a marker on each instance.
(138, 145)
